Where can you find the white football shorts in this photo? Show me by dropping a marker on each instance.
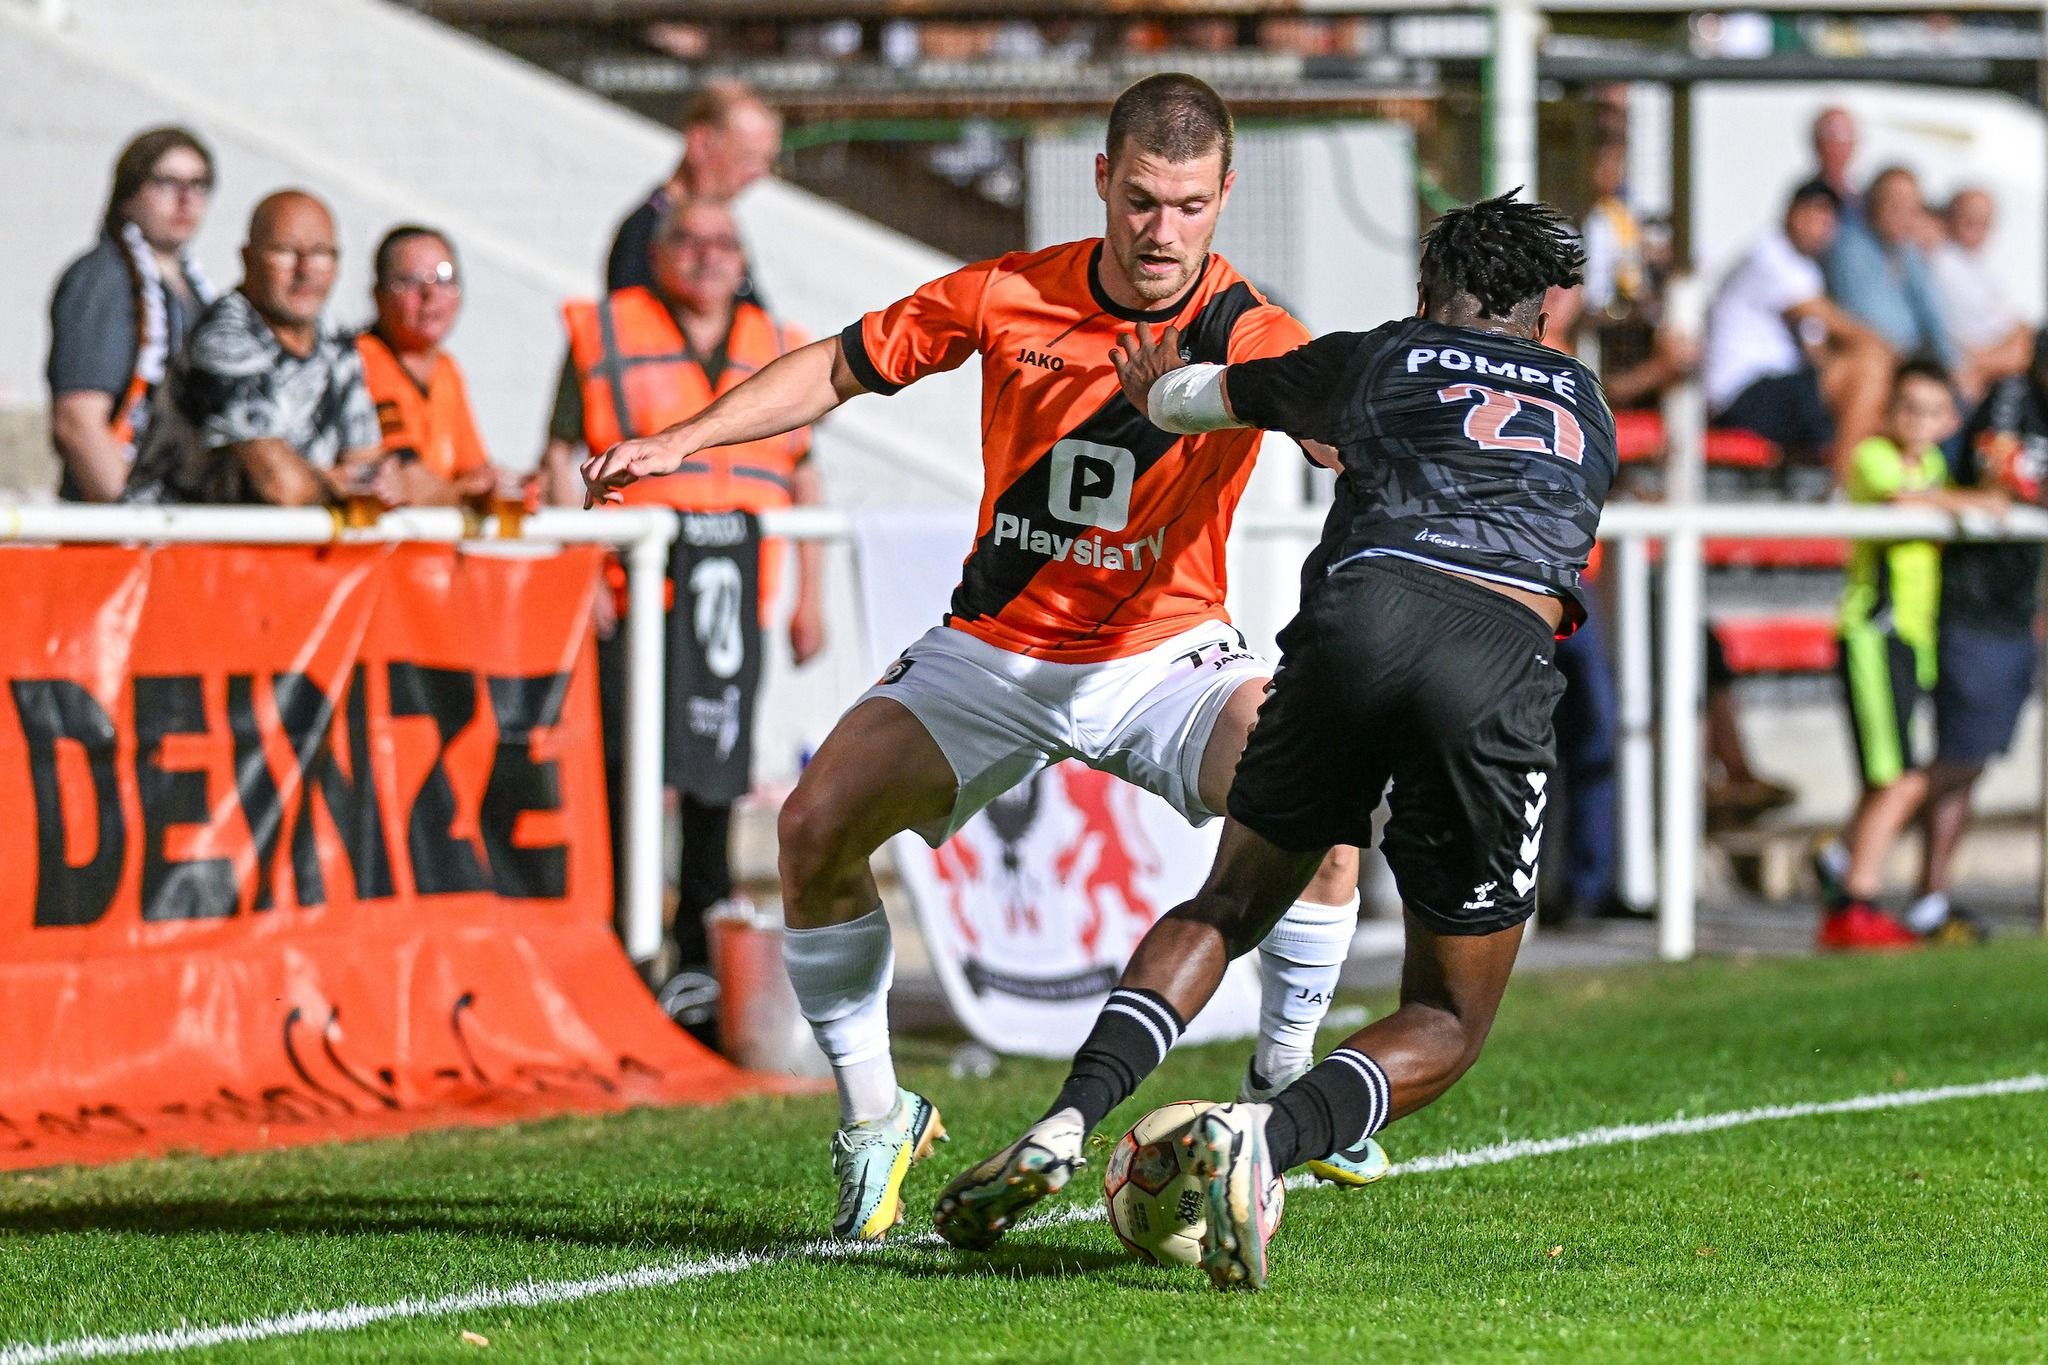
(1000, 717)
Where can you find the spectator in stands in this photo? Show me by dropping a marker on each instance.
(730, 140)
(1784, 361)
(1735, 796)
(266, 402)
(430, 435)
(1617, 277)
(1878, 273)
(1834, 147)
(1888, 658)
(1619, 309)
(1976, 301)
(1987, 650)
(689, 339)
(122, 310)
(1585, 722)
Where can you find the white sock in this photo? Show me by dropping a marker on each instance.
(1926, 914)
(1298, 966)
(841, 973)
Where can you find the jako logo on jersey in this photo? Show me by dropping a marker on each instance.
(1041, 359)
(1091, 484)
(1087, 551)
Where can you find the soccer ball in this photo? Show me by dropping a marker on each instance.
(1156, 1208)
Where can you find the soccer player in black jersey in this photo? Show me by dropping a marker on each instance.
(1473, 466)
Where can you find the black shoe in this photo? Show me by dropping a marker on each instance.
(1608, 907)
(1961, 928)
(1834, 894)
(1615, 908)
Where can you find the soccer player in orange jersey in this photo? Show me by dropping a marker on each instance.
(1089, 620)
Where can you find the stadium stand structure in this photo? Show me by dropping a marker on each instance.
(394, 117)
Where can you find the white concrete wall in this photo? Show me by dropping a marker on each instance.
(1751, 148)
(392, 118)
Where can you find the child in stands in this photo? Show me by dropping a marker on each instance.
(1888, 652)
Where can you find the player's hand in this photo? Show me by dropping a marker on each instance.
(477, 485)
(1324, 455)
(375, 474)
(1140, 358)
(604, 611)
(605, 475)
(806, 632)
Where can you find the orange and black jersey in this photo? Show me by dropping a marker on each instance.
(1100, 535)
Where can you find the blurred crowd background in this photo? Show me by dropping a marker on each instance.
(1831, 224)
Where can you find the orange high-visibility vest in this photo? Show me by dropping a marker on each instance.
(434, 423)
(638, 376)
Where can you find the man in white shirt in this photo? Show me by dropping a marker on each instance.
(1781, 359)
(1976, 303)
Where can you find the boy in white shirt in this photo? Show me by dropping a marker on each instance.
(1781, 359)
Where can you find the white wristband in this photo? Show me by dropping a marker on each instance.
(1189, 400)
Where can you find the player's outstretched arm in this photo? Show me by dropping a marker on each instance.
(1174, 395)
(793, 391)
(1182, 398)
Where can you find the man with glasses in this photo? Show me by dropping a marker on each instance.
(730, 140)
(123, 309)
(639, 361)
(430, 435)
(266, 403)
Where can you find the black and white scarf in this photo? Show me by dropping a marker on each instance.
(153, 313)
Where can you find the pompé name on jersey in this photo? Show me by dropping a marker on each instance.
(1455, 361)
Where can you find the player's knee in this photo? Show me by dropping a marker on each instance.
(1462, 1037)
(1336, 879)
(809, 836)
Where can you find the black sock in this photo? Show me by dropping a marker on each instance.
(1340, 1102)
(1131, 1037)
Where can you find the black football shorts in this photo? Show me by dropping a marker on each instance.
(1395, 672)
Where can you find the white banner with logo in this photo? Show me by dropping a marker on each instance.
(1030, 912)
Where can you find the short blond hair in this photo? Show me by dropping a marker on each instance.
(714, 103)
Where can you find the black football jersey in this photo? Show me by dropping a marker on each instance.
(1486, 454)
(1996, 585)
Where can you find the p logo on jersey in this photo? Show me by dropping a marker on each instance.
(1091, 484)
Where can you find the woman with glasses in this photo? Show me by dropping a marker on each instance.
(430, 435)
(122, 310)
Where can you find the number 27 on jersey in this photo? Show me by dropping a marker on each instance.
(1492, 410)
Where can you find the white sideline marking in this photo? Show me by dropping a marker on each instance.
(538, 1293)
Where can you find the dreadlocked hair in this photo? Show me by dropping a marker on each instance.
(1504, 252)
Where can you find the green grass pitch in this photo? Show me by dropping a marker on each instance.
(1909, 1233)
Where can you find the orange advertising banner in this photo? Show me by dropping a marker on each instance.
(302, 844)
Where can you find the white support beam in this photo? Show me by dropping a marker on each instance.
(1511, 97)
(1635, 748)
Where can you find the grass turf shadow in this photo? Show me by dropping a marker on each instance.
(1063, 1259)
(656, 1231)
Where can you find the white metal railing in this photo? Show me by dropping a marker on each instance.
(641, 534)
(1659, 858)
